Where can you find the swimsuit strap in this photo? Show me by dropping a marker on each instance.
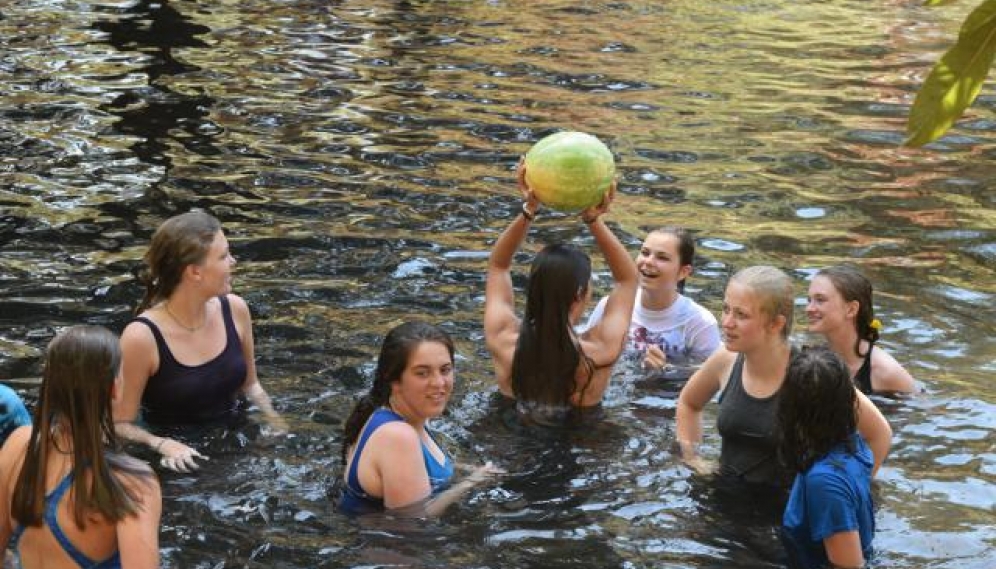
(52, 521)
(377, 418)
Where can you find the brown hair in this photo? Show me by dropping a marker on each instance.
(854, 286)
(180, 241)
(81, 364)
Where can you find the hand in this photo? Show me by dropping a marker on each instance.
(592, 213)
(655, 358)
(178, 457)
(702, 466)
(532, 202)
(275, 425)
(483, 472)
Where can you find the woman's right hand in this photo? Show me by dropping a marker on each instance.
(483, 472)
(532, 202)
(179, 457)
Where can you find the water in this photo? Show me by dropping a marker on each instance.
(361, 156)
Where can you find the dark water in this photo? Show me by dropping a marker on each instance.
(360, 155)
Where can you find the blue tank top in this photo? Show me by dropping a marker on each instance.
(52, 521)
(355, 500)
(182, 394)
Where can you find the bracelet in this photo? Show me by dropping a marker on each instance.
(529, 215)
(589, 220)
(159, 445)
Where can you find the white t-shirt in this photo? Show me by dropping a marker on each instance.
(685, 331)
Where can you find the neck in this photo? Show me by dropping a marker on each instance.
(409, 418)
(842, 341)
(187, 312)
(770, 361)
(658, 299)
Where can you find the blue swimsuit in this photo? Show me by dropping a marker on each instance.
(52, 521)
(356, 501)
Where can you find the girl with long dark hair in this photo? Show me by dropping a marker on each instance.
(540, 360)
(392, 460)
(829, 519)
(67, 497)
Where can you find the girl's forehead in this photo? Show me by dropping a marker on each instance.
(660, 240)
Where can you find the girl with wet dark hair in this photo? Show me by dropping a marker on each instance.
(840, 308)
(829, 519)
(392, 460)
(66, 496)
(667, 326)
(189, 356)
(540, 360)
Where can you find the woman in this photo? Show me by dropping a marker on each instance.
(392, 460)
(840, 308)
(540, 360)
(829, 520)
(667, 326)
(748, 371)
(66, 500)
(189, 355)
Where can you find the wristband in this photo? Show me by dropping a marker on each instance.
(159, 445)
(529, 215)
(589, 220)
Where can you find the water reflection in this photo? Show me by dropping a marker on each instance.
(361, 156)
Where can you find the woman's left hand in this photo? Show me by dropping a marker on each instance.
(592, 213)
(654, 358)
(532, 202)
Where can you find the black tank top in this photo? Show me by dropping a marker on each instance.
(863, 379)
(182, 394)
(749, 451)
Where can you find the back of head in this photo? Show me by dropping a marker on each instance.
(397, 348)
(180, 241)
(773, 289)
(547, 354)
(816, 407)
(81, 365)
(853, 286)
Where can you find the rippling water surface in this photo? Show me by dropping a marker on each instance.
(361, 156)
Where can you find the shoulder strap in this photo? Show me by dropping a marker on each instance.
(736, 376)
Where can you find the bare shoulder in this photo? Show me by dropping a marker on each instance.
(137, 333)
(888, 374)
(395, 435)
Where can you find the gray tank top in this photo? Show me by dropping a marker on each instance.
(749, 451)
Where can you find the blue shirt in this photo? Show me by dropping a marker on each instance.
(833, 496)
(12, 413)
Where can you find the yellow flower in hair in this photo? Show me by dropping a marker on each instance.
(876, 324)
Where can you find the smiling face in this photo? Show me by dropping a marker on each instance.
(659, 263)
(426, 383)
(745, 325)
(214, 272)
(827, 310)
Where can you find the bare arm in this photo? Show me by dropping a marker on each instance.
(252, 388)
(889, 376)
(501, 325)
(694, 396)
(874, 428)
(138, 535)
(139, 360)
(609, 334)
(844, 550)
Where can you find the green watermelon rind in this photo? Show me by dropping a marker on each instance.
(579, 165)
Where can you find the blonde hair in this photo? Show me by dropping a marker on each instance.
(773, 289)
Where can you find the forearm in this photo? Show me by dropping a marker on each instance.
(620, 263)
(258, 397)
(508, 243)
(688, 430)
(133, 433)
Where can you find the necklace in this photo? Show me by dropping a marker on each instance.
(181, 324)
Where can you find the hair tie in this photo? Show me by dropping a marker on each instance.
(875, 324)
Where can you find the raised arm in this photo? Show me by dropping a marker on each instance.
(501, 325)
(875, 429)
(609, 334)
(252, 388)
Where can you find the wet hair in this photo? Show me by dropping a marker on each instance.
(817, 407)
(686, 247)
(395, 353)
(81, 364)
(548, 352)
(774, 291)
(180, 241)
(854, 286)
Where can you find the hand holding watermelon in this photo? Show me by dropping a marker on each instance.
(569, 171)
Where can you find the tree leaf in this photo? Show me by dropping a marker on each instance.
(937, 2)
(955, 81)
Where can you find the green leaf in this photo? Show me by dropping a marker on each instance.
(955, 81)
(937, 2)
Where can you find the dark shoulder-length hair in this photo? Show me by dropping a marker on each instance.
(548, 352)
(853, 285)
(686, 247)
(81, 364)
(395, 352)
(817, 407)
(180, 241)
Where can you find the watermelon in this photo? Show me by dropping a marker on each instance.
(569, 171)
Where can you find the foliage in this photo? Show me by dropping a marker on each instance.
(955, 81)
